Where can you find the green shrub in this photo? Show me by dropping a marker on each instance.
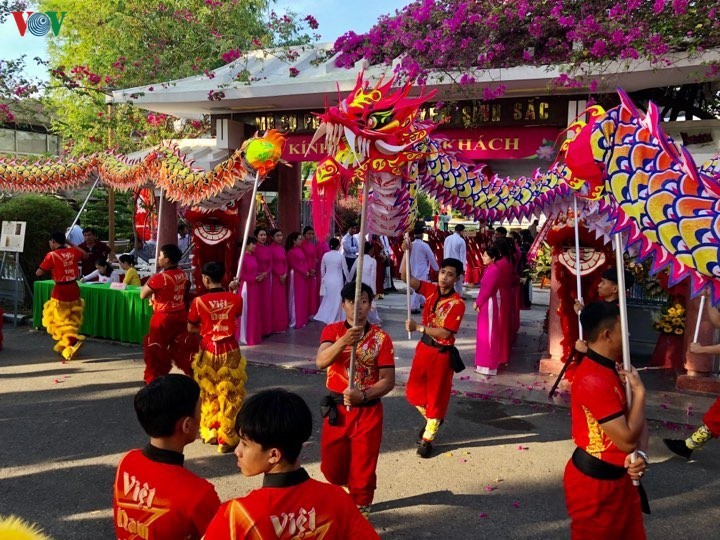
(43, 215)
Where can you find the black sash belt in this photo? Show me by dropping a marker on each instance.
(596, 468)
(430, 342)
(456, 362)
(329, 406)
(338, 400)
(602, 470)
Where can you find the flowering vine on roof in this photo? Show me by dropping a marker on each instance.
(462, 35)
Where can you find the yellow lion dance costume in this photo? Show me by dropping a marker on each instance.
(63, 321)
(14, 528)
(222, 380)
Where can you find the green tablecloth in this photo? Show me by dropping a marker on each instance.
(109, 313)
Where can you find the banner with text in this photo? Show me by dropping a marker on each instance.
(472, 144)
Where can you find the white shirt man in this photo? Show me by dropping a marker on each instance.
(350, 246)
(74, 235)
(369, 274)
(183, 242)
(422, 259)
(456, 248)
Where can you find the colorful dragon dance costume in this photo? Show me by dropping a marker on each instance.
(63, 313)
(219, 366)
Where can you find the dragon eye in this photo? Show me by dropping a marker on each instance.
(379, 119)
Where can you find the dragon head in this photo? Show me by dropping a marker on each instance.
(579, 155)
(373, 122)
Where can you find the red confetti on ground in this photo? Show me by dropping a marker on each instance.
(521, 447)
(482, 515)
(516, 504)
(490, 488)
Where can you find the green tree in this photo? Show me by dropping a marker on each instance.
(425, 206)
(43, 214)
(95, 214)
(128, 43)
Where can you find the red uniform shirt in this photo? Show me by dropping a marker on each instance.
(168, 290)
(62, 264)
(597, 396)
(216, 312)
(155, 498)
(291, 506)
(442, 311)
(374, 351)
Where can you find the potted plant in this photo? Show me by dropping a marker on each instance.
(668, 351)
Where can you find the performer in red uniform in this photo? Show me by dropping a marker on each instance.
(153, 495)
(608, 292)
(273, 426)
(600, 497)
(711, 421)
(350, 442)
(167, 339)
(63, 312)
(430, 381)
(219, 366)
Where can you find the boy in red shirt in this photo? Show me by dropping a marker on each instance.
(154, 496)
(63, 313)
(352, 431)
(600, 497)
(219, 366)
(273, 425)
(430, 381)
(167, 339)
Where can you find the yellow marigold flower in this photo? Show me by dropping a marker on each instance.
(679, 331)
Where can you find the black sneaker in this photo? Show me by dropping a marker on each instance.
(678, 446)
(425, 449)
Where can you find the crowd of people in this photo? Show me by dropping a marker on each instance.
(304, 279)
(301, 278)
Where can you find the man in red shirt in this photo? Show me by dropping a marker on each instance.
(273, 426)
(63, 312)
(219, 367)
(167, 339)
(153, 495)
(351, 433)
(430, 381)
(600, 497)
(95, 249)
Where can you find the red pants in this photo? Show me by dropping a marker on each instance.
(430, 381)
(712, 418)
(166, 342)
(602, 509)
(349, 450)
(68, 291)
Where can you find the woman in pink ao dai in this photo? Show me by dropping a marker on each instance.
(487, 307)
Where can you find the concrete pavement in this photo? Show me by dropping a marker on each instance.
(497, 472)
(519, 382)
